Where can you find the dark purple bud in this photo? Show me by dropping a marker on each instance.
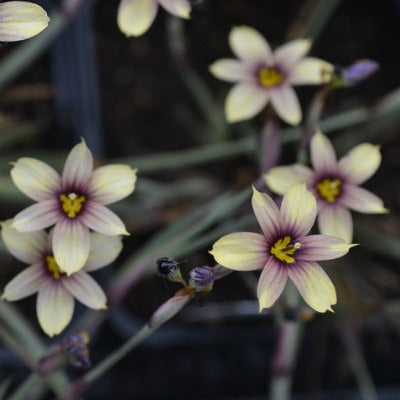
(75, 347)
(202, 278)
(358, 71)
(168, 268)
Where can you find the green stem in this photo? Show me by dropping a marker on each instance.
(163, 314)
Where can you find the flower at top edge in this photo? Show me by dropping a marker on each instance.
(284, 250)
(136, 16)
(335, 184)
(74, 202)
(56, 290)
(264, 76)
(20, 20)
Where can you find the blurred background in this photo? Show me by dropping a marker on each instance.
(151, 102)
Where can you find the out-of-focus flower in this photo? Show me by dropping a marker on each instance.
(284, 250)
(75, 202)
(264, 76)
(202, 279)
(356, 72)
(56, 290)
(77, 350)
(21, 20)
(136, 16)
(334, 184)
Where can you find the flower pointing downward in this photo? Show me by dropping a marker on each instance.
(284, 250)
(56, 290)
(74, 202)
(265, 76)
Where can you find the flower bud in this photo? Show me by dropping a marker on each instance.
(21, 20)
(357, 72)
(77, 351)
(168, 268)
(202, 279)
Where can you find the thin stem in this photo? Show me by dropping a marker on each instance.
(163, 314)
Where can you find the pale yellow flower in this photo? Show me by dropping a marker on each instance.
(335, 184)
(284, 250)
(75, 202)
(136, 16)
(56, 290)
(265, 76)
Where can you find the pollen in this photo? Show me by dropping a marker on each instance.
(329, 189)
(72, 204)
(283, 249)
(52, 267)
(269, 77)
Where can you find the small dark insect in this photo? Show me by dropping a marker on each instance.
(166, 266)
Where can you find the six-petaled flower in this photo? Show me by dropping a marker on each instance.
(334, 184)
(264, 76)
(74, 202)
(284, 250)
(56, 290)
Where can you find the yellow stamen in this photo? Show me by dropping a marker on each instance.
(269, 77)
(52, 267)
(72, 204)
(329, 189)
(283, 249)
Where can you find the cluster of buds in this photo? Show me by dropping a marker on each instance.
(201, 279)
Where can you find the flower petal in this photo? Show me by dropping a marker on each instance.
(287, 55)
(323, 156)
(54, 308)
(21, 20)
(336, 221)
(321, 247)
(179, 8)
(78, 168)
(28, 247)
(136, 16)
(229, 70)
(242, 251)
(280, 179)
(103, 251)
(361, 200)
(271, 284)
(286, 104)
(314, 285)
(244, 101)
(249, 45)
(71, 245)
(101, 219)
(37, 216)
(112, 183)
(83, 287)
(311, 71)
(360, 163)
(35, 178)
(25, 283)
(298, 209)
(267, 213)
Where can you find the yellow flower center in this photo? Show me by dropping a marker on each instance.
(72, 204)
(329, 189)
(268, 77)
(283, 249)
(53, 268)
